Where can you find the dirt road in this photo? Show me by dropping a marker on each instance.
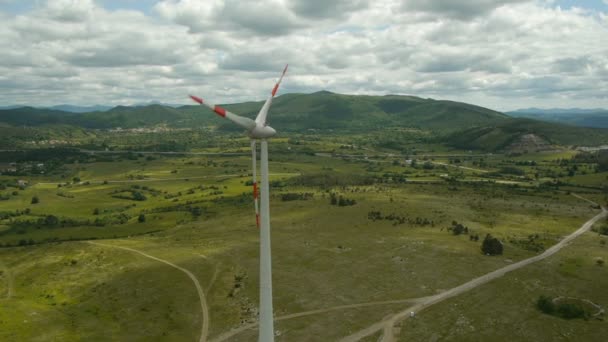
(199, 289)
(242, 328)
(460, 167)
(388, 324)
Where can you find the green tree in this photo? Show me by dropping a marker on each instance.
(35, 200)
(545, 304)
(570, 311)
(138, 196)
(51, 220)
(197, 211)
(602, 160)
(141, 218)
(491, 246)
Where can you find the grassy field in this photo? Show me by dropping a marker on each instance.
(324, 256)
(505, 309)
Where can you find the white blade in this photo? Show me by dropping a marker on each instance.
(242, 121)
(261, 118)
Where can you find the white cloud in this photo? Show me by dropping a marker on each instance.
(263, 17)
(463, 10)
(69, 10)
(498, 54)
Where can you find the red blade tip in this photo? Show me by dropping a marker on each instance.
(196, 99)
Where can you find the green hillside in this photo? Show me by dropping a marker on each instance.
(121, 116)
(326, 110)
(458, 124)
(290, 112)
(585, 118)
(508, 133)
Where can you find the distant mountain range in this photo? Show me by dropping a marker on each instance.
(321, 110)
(66, 108)
(86, 109)
(455, 123)
(573, 116)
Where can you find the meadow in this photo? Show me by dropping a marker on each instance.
(390, 243)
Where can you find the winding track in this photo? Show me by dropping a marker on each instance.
(199, 289)
(242, 328)
(212, 281)
(388, 324)
(385, 325)
(460, 167)
(423, 302)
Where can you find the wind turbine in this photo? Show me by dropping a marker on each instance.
(258, 130)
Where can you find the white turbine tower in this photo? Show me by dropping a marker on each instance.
(259, 130)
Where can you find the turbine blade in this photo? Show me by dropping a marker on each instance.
(276, 86)
(255, 182)
(262, 115)
(242, 121)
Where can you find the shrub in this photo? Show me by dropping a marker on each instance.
(35, 200)
(141, 218)
(458, 228)
(138, 196)
(545, 304)
(51, 220)
(570, 311)
(491, 246)
(563, 310)
(196, 211)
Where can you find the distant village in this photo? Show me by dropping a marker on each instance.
(19, 169)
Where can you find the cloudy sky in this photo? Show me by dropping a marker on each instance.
(503, 54)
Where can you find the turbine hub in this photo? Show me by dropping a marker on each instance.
(262, 132)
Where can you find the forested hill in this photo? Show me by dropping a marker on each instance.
(455, 123)
(579, 117)
(321, 110)
(326, 110)
(126, 117)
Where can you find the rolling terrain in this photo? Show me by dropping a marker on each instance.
(149, 233)
(321, 110)
(456, 124)
(597, 118)
(508, 135)
(385, 251)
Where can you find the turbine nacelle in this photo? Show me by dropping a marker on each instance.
(261, 132)
(255, 129)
